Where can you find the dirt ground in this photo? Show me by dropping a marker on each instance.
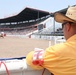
(19, 47)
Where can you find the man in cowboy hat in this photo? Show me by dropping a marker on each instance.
(60, 59)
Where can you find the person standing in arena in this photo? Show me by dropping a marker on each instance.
(2, 34)
(60, 59)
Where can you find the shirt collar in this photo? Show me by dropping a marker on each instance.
(72, 38)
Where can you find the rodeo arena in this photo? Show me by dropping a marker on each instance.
(19, 34)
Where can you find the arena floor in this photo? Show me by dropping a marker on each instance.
(19, 47)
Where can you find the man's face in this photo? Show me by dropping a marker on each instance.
(66, 29)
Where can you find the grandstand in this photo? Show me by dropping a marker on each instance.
(29, 20)
(23, 23)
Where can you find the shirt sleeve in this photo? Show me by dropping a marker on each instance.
(29, 61)
(51, 56)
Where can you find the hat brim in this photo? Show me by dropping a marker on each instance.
(61, 18)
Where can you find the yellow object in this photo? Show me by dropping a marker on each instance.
(29, 61)
(59, 59)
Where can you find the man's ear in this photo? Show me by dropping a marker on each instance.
(68, 26)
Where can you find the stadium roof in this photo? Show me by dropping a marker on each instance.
(63, 11)
(30, 14)
(25, 15)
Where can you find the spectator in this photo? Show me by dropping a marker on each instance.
(60, 59)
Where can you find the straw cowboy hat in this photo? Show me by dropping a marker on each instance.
(69, 16)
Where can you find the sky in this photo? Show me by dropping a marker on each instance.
(13, 7)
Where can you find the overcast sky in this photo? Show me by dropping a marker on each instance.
(11, 7)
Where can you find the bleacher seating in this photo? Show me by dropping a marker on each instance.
(50, 31)
(20, 27)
